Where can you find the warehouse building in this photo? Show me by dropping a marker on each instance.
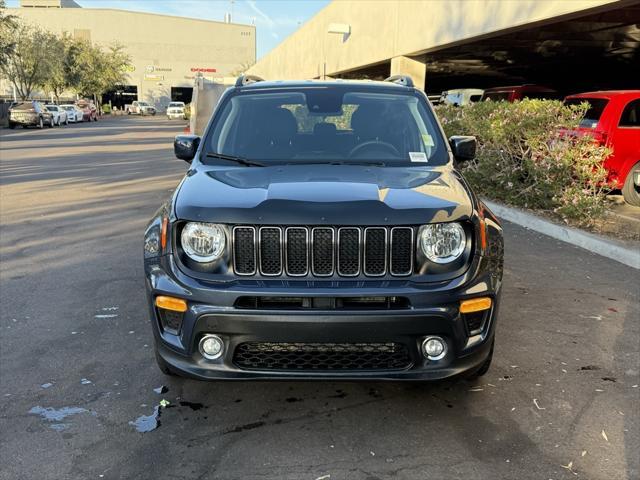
(167, 52)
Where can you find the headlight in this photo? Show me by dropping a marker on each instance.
(203, 242)
(442, 242)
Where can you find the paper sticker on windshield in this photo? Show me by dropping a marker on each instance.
(427, 140)
(418, 157)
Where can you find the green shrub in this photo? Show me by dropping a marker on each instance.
(528, 158)
(106, 109)
(187, 111)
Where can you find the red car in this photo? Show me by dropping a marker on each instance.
(518, 92)
(89, 111)
(613, 119)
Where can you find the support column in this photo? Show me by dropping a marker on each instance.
(415, 67)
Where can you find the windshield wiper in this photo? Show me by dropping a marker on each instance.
(231, 158)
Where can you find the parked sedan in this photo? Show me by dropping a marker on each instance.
(30, 113)
(613, 119)
(59, 115)
(89, 111)
(74, 114)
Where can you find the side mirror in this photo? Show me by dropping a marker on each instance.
(186, 146)
(463, 147)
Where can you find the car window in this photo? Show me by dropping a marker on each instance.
(631, 114)
(52, 109)
(497, 96)
(594, 112)
(323, 125)
(178, 104)
(143, 104)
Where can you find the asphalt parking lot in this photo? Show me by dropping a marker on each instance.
(77, 373)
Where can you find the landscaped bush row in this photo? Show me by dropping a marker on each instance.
(527, 156)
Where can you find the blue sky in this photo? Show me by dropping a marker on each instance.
(275, 20)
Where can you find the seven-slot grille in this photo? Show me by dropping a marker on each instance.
(323, 251)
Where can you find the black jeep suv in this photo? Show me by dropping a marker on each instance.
(323, 231)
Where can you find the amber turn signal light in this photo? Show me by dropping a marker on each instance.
(475, 305)
(171, 303)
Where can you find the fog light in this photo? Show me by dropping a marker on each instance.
(434, 348)
(211, 347)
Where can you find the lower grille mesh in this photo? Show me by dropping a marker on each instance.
(321, 356)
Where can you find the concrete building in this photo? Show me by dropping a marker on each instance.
(167, 52)
(445, 44)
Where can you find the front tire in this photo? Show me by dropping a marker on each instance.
(630, 190)
(40, 123)
(162, 365)
(484, 368)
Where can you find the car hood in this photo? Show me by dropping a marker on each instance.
(322, 194)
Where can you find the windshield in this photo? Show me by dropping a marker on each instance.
(143, 104)
(67, 107)
(594, 112)
(52, 109)
(174, 104)
(327, 125)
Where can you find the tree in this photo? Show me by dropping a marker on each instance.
(29, 64)
(91, 70)
(58, 80)
(8, 26)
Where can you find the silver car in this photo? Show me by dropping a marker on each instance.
(73, 114)
(59, 115)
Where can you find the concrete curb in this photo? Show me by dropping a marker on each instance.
(589, 241)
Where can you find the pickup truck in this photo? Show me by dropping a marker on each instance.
(140, 108)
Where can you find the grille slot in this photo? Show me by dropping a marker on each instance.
(297, 251)
(244, 250)
(322, 356)
(271, 251)
(375, 251)
(348, 252)
(323, 251)
(401, 251)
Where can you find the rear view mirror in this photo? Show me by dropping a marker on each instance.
(463, 147)
(186, 146)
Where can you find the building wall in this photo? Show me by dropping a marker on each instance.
(166, 51)
(383, 29)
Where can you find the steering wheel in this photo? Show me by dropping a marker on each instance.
(374, 145)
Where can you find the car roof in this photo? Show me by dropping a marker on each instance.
(361, 84)
(527, 86)
(606, 94)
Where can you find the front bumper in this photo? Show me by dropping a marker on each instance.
(434, 311)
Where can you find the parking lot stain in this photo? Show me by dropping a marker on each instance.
(57, 415)
(610, 379)
(590, 367)
(339, 394)
(161, 389)
(293, 400)
(192, 405)
(147, 423)
(242, 428)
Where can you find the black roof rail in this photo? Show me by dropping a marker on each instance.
(404, 80)
(247, 79)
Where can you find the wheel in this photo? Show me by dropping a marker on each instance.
(12, 125)
(630, 191)
(51, 123)
(40, 123)
(162, 365)
(484, 368)
(66, 121)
